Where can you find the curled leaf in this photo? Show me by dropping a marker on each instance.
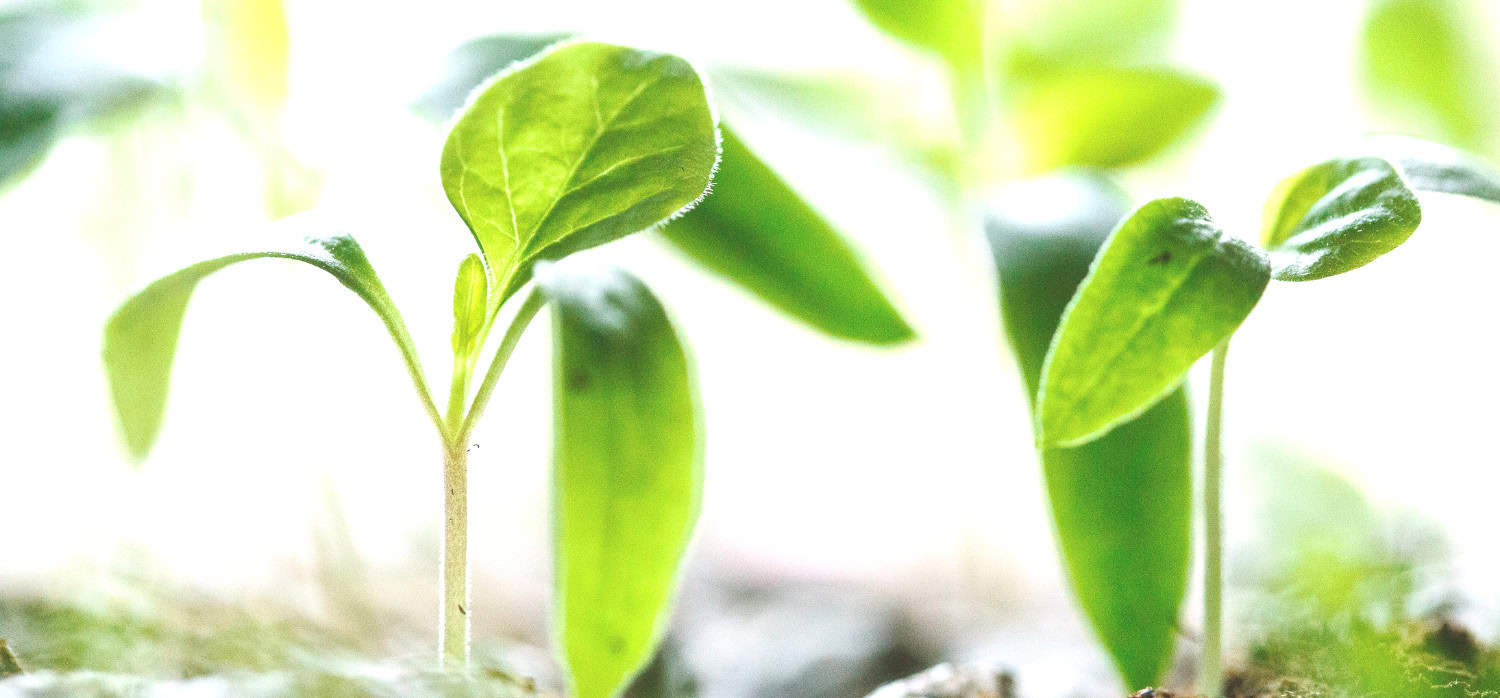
(1337, 216)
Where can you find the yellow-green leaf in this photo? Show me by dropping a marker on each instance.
(1337, 216)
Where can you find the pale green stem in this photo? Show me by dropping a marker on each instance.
(1211, 670)
(453, 616)
(529, 308)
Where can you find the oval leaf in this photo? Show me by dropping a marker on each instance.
(583, 144)
(470, 300)
(1429, 166)
(1167, 287)
(1424, 63)
(756, 231)
(626, 475)
(140, 339)
(1128, 565)
(1337, 216)
(1107, 116)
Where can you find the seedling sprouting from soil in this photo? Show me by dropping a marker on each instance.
(1169, 285)
(580, 145)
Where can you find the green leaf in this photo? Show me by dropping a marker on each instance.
(27, 131)
(1094, 31)
(140, 339)
(951, 28)
(585, 143)
(475, 61)
(1429, 166)
(9, 665)
(1128, 566)
(1107, 116)
(1167, 287)
(756, 231)
(1425, 63)
(626, 474)
(470, 302)
(1337, 216)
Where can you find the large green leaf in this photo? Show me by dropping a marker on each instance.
(1337, 216)
(1167, 287)
(1425, 63)
(1107, 116)
(1429, 166)
(585, 143)
(951, 28)
(1128, 566)
(140, 339)
(626, 473)
(756, 231)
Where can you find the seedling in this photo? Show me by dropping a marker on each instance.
(1169, 285)
(580, 145)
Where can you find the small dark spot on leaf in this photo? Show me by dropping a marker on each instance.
(616, 645)
(578, 380)
(1163, 258)
(463, 610)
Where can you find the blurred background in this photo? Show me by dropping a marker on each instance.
(869, 511)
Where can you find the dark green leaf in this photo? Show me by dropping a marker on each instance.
(587, 143)
(140, 339)
(1424, 61)
(1128, 565)
(1337, 216)
(1107, 116)
(756, 231)
(469, 65)
(627, 478)
(1435, 167)
(951, 28)
(1167, 287)
(27, 131)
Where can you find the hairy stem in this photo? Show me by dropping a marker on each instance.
(1211, 671)
(453, 585)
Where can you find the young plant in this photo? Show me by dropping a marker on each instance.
(580, 145)
(1169, 285)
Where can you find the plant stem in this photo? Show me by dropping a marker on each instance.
(453, 585)
(1211, 671)
(518, 324)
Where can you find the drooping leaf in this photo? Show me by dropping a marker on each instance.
(140, 339)
(1167, 287)
(470, 301)
(1337, 216)
(952, 29)
(626, 474)
(1424, 62)
(584, 144)
(1429, 166)
(756, 231)
(1107, 116)
(475, 61)
(1128, 565)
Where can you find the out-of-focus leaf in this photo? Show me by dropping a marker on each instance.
(1128, 565)
(1425, 63)
(469, 65)
(1167, 287)
(1429, 166)
(9, 665)
(587, 143)
(1107, 116)
(27, 131)
(756, 231)
(1110, 31)
(951, 28)
(140, 339)
(1337, 216)
(626, 475)
(252, 51)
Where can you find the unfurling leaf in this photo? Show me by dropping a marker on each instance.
(626, 475)
(1167, 287)
(757, 231)
(140, 339)
(1127, 562)
(583, 144)
(1337, 216)
(470, 301)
